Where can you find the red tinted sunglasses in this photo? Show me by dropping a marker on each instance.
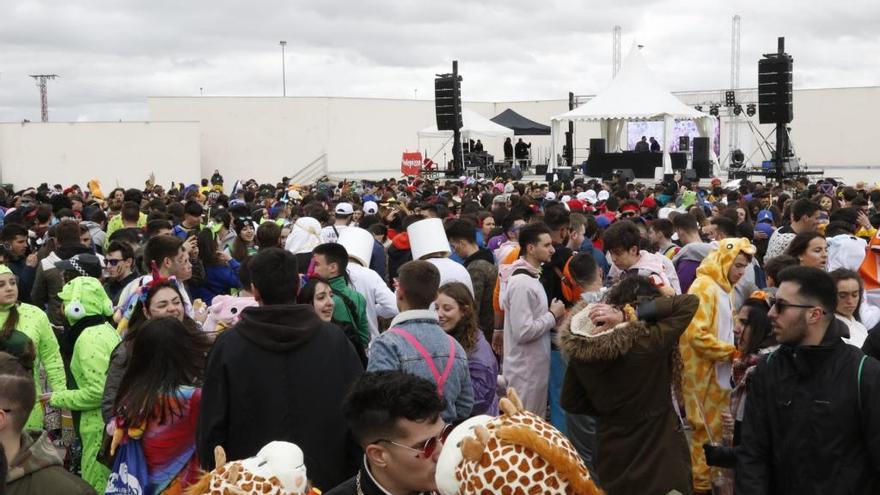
(428, 447)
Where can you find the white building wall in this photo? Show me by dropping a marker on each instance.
(116, 153)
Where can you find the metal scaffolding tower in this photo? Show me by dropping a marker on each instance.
(615, 52)
(733, 141)
(42, 82)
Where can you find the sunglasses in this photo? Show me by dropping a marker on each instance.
(781, 305)
(428, 447)
(113, 262)
(628, 213)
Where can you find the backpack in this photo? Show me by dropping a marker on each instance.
(350, 329)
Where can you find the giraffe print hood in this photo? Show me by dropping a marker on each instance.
(516, 453)
(277, 469)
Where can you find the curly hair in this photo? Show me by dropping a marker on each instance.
(466, 332)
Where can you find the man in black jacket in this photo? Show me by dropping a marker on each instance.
(280, 374)
(811, 419)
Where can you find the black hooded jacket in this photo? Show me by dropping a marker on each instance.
(811, 421)
(281, 374)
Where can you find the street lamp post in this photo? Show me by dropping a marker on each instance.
(283, 71)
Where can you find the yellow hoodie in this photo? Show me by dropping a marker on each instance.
(707, 350)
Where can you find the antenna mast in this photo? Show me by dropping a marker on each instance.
(42, 83)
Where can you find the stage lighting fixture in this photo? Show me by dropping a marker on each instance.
(713, 110)
(698, 108)
(729, 98)
(737, 109)
(750, 109)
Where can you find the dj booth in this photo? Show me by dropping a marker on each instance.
(642, 164)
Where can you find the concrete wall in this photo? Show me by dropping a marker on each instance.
(267, 138)
(116, 153)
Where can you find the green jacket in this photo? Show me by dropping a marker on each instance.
(89, 364)
(37, 469)
(34, 323)
(115, 224)
(341, 312)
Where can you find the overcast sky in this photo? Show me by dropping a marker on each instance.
(112, 54)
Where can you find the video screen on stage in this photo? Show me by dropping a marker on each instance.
(636, 130)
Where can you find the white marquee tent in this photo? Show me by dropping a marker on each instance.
(474, 125)
(633, 95)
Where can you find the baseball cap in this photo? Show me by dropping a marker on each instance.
(649, 202)
(603, 195)
(344, 209)
(370, 208)
(550, 196)
(86, 264)
(765, 228)
(765, 216)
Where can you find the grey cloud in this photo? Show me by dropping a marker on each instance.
(111, 54)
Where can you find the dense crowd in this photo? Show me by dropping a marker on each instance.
(466, 336)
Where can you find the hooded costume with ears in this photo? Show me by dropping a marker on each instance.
(277, 469)
(707, 351)
(90, 340)
(517, 451)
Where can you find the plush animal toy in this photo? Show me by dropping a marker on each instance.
(95, 189)
(277, 469)
(225, 311)
(516, 453)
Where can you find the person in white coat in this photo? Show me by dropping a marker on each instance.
(380, 300)
(528, 319)
(428, 242)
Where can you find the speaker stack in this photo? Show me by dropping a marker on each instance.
(701, 161)
(775, 89)
(447, 102)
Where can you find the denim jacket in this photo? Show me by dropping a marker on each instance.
(391, 351)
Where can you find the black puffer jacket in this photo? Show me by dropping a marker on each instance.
(812, 422)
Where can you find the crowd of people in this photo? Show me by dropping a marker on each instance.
(376, 337)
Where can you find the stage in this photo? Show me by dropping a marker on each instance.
(643, 165)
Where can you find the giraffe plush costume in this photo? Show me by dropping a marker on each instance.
(516, 453)
(278, 469)
(707, 352)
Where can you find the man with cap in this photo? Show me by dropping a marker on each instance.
(343, 213)
(763, 231)
(380, 300)
(428, 242)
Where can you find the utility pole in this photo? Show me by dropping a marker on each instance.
(283, 70)
(42, 82)
(615, 52)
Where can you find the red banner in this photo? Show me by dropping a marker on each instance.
(411, 163)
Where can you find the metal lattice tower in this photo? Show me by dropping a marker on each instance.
(733, 141)
(734, 52)
(615, 52)
(42, 83)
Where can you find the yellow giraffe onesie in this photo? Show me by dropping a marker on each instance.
(707, 351)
